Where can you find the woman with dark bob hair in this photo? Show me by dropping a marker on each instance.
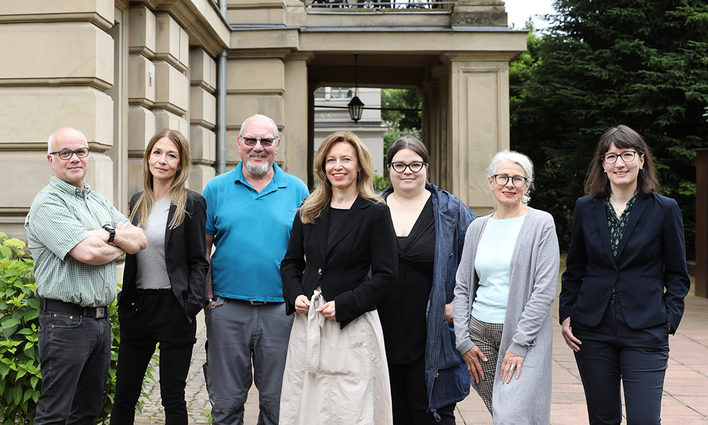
(428, 375)
(340, 262)
(624, 287)
(163, 285)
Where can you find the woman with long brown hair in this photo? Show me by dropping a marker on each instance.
(336, 371)
(163, 285)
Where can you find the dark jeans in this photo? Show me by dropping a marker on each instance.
(159, 318)
(410, 398)
(612, 352)
(74, 353)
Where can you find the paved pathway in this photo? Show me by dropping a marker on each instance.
(685, 390)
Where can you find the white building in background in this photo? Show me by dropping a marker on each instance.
(331, 114)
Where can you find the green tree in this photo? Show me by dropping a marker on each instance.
(604, 63)
(401, 112)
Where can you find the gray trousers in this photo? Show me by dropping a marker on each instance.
(487, 336)
(242, 338)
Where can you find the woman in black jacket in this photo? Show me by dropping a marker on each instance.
(163, 285)
(341, 261)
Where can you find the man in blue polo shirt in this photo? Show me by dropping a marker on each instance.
(250, 211)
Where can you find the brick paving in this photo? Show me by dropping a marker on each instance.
(685, 399)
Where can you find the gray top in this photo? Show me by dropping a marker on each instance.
(528, 327)
(152, 269)
(60, 217)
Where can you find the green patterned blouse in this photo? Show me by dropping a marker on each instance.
(616, 224)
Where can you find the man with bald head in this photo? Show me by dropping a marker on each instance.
(75, 236)
(250, 211)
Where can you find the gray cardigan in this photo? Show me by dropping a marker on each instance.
(528, 327)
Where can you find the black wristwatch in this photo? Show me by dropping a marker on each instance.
(111, 233)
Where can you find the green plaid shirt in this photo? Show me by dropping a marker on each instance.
(617, 224)
(60, 217)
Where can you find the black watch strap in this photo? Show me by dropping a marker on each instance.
(111, 232)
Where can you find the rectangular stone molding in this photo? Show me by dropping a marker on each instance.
(479, 123)
(240, 107)
(101, 12)
(199, 176)
(172, 42)
(100, 176)
(32, 114)
(141, 38)
(171, 88)
(202, 70)
(202, 143)
(202, 107)
(85, 50)
(141, 128)
(166, 119)
(141, 81)
(23, 173)
(240, 76)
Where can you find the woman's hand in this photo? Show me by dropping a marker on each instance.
(570, 339)
(510, 364)
(448, 311)
(472, 357)
(328, 311)
(302, 304)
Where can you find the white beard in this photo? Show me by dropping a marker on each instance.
(257, 170)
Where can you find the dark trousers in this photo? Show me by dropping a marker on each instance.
(612, 352)
(158, 318)
(74, 354)
(410, 398)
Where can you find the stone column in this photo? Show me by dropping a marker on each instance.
(478, 123)
(435, 134)
(294, 150)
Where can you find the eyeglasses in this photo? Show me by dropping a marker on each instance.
(627, 156)
(266, 142)
(415, 166)
(68, 153)
(503, 179)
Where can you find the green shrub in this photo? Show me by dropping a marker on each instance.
(20, 377)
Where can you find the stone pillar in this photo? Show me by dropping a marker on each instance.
(141, 91)
(701, 272)
(478, 123)
(479, 12)
(202, 115)
(57, 66)
(294, 150)
(435, 134)
(255, 85)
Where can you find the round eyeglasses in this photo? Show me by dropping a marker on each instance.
(627, 156)
(415, 166)
(68, 153)
(503, 179)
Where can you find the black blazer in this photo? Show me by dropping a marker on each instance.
(364, 241)
(185, 257)
(649, 272)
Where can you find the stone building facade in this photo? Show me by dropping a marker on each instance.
(121, 69)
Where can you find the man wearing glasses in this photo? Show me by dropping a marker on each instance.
(75, 235)
(250, 211)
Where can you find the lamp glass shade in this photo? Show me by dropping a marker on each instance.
(356, 107)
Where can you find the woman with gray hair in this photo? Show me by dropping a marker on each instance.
(506, 282)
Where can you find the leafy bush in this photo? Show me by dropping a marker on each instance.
(20, 376)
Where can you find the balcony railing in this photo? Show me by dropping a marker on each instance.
(383, 6)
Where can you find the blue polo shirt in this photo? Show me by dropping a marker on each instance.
(251, 232)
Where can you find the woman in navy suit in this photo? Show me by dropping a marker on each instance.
(341, 261)
(624, 287)
(163, 285)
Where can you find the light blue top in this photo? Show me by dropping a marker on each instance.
(251, 232)
(492, 264)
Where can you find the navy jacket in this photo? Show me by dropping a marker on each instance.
(185, 258)
(364, 242)
(447, 379)
(649, 271)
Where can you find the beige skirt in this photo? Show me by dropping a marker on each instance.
(335, 376)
